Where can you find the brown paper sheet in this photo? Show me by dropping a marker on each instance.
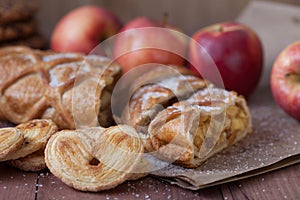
(281, 164)
(274, 143)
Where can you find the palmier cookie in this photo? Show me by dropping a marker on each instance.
(33, 162)
(36, 134)
(11, 140)
(94, 159)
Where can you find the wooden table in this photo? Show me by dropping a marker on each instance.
(280, 184)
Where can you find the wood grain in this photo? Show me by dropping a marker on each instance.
(146, 188)
(280, 184)
(15, 184)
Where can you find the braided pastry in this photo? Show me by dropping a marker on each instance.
(94, 159)
(64, 87)
(184, 119)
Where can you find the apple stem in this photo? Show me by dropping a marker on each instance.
(294, 77)
(287, 75)
(165, 18)
(220, 29)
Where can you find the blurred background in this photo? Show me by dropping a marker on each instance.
(189, 15)
(277, 22)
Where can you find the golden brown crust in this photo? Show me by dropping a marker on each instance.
(182, 118)
(166, 86)
(51, 85)
(33, 162)
(158, 73)
(36, 133)
(11, 140)
(94, 159)
(149, 99)
(189, 132)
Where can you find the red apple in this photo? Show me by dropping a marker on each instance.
(143, 41)
(285, 80)
(83, 28)
(236, 51)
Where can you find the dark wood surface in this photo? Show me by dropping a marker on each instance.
(280, 184)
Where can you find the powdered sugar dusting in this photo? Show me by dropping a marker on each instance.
(12, 181)
(56, 56)
(175, 83)
(98, 58)
(61, 72)
(145, 95)
(212, 94)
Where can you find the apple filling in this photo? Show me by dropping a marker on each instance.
(234, 122)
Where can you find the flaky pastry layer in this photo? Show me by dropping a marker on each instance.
(191, 131)
(94, 159)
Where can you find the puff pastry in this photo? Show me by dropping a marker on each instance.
(182, 118)
(11, 140)
(155, 90)
(94, 159)
(33, 162)
(35, 135)
(191, 131)
(44, 84)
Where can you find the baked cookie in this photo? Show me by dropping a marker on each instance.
(36, 133)
(11, 140)
(33, 162)
(94, 159)
(16, 10)
(17, 30)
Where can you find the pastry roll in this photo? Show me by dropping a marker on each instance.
(182, 118)
(191, 131)
(155, 90)
(71, 89)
